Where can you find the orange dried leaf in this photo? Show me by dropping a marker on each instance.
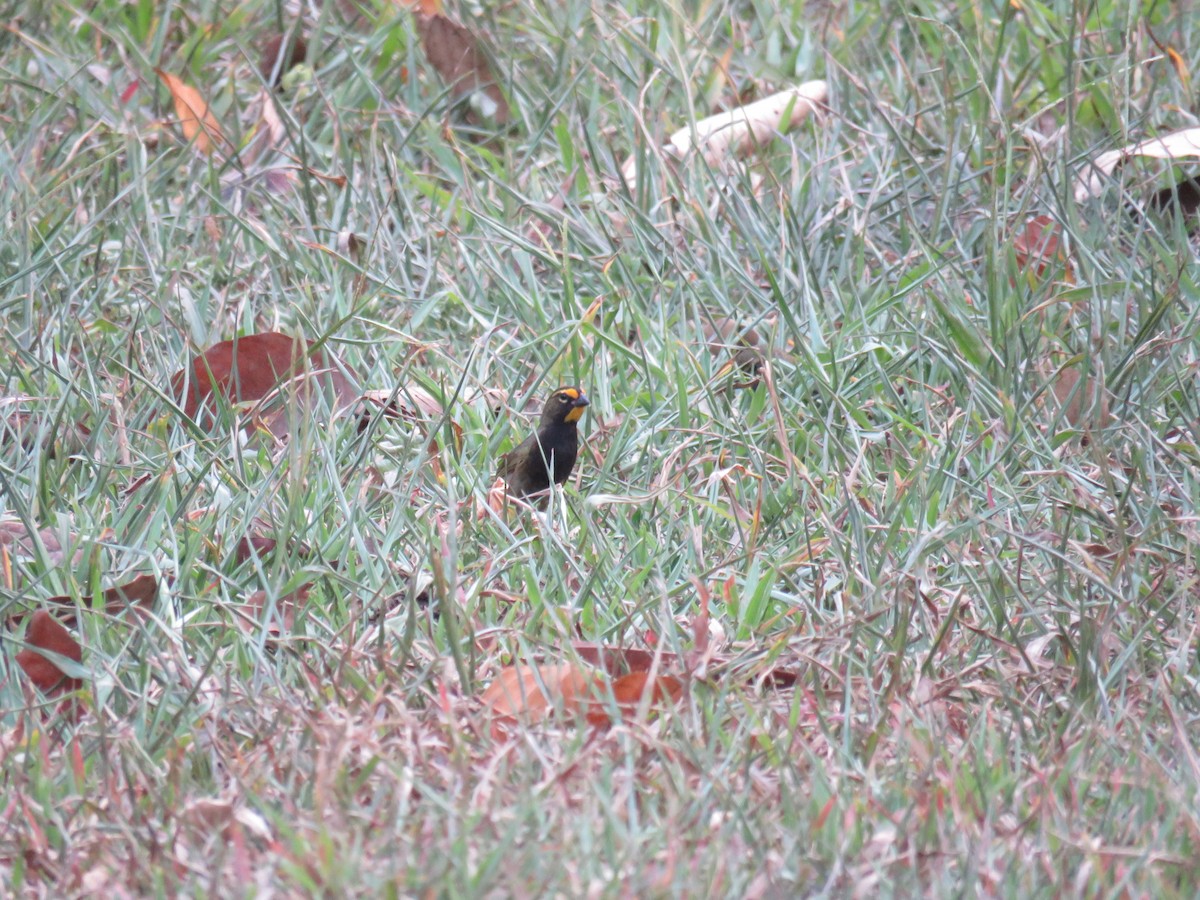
(819, 822)
(1099, 551)
(517, 692)
(721, 73)
(426, 7)
(46, 633)
(497, 497)
(618, 660)
(195, 118)
(629, 690)
(1180, 66)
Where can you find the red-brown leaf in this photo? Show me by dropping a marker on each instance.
(47, 633)
(253, 545)
(628, 691)
(620, 660)
(458, 57)
(138, 594)
(249, 368)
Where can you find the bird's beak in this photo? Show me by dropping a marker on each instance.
(581, 401)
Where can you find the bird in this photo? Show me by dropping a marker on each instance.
(549, 454)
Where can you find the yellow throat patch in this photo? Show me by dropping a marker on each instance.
(574, 395)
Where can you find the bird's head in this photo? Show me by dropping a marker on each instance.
(565, 405)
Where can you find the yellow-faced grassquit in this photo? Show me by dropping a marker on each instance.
(549, 454)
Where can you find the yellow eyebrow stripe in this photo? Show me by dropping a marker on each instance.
(570, 392)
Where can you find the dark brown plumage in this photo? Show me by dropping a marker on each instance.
(549, 454)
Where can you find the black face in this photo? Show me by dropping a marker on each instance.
(565, 405)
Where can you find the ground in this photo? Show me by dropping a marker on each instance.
(913, 564)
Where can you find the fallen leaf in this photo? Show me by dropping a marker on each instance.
(138, 595)
(1083, 400)
(1180, 66)
(629, 691)
(497, 499)
(253, 545)
(350, 245)
(269, 132)
(1038, 245)
(1038, 651)
(1178, 63)
(1093, 549)
(1176, 145)
(286, 607)
(18, 422)
(208, 814)
(742, 129)
(532, 693)
(719, 78)
(819, 821)
(459, 58)
(199, 125)
(618, 661)
(269, 369)
(338, 181)
(280, 181)
(517, 692)
(411, 401)
(19, 542)
(45, 633)
(428, 7)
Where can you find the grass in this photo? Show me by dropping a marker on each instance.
(987, 594)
